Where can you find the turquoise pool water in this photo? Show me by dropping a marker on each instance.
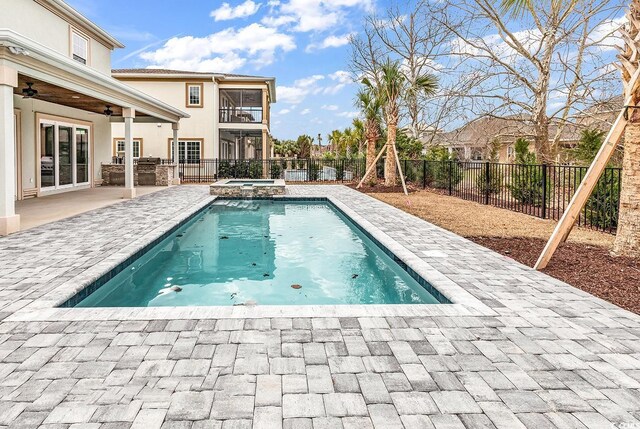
(263, 252)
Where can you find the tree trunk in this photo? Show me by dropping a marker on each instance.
(371, 156)
(390, 170)
(627, 241)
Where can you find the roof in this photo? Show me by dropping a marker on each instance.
(165, 73)
(61, 7)
(157, 71)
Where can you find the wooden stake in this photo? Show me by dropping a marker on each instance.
(372, 166)
(404, 186)
(589, 182)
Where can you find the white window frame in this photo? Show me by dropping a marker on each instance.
(82, 60)
(182, 145)
(200, 87)
(136, 143)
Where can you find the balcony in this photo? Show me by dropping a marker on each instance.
(241, 115)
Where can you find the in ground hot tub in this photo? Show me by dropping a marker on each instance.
(248, 188)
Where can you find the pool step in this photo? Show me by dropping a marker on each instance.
(238, 204)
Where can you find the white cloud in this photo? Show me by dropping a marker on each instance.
(313, 15)
(284, 111)
(255, 43)
(341, 78)
(227, 12)
(300, 89)
(305, 112)
(330, 107)
(350, 115)
(606, 34)
(330, 42)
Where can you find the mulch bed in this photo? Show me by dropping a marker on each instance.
(590, 268)
(381, 189)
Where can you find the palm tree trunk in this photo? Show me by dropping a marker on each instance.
(371, 156)
(627, 241)
(390, 170)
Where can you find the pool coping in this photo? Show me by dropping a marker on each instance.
(46, 308)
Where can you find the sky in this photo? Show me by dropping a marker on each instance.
(302, 43)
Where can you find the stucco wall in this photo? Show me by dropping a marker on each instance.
(155, 138)
(28, 108)
(199, 126)
(32, 20)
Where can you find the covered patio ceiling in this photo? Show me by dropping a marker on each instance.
(55, 94)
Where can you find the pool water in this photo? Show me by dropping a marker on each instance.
(262, 252)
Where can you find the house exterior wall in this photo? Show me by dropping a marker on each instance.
(30, 110)
(202, 125)
(33, 20)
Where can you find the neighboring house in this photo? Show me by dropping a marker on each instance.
(472, 141)
(230, 114)
(57, 101)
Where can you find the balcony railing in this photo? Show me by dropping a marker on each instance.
(241, 115)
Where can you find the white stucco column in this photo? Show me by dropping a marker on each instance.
(216, 119)
(129, 115)
(176, 153)
(9, 220)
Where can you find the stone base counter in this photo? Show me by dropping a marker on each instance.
(143, 175)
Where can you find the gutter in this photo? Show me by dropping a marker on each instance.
(38, 51)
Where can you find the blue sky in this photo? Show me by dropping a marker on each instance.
(303, 43)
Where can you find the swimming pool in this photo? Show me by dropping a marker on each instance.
(263, 252)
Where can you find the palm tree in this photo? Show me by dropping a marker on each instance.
(370, 106)
(627, 241)
(393, 83)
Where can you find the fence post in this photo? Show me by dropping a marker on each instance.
(544, 190)
(487, 182)
(424, 174)
(450, 177)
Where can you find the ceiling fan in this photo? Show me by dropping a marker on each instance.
(30, 92)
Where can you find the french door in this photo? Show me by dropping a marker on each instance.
(64, 155)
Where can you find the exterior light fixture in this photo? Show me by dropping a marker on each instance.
(108, 112)
(17, 50)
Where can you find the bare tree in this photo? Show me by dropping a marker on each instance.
(544, 65)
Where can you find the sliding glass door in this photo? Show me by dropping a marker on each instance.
(64, 155)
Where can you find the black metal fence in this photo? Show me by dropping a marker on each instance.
(291, 170)
(539, 190)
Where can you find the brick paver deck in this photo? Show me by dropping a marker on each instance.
(542, 355)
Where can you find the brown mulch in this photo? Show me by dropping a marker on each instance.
(590, 268)
(381, 189)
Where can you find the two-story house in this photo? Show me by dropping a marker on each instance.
(57, 103)
(229, 115)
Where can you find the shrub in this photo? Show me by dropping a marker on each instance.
(602, 206)
(527, 183)
(224, 170)
(276, 170)
(495, 183)
(442, 168)
(255, 169)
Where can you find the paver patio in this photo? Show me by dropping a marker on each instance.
(542, 354)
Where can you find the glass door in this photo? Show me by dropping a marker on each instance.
(82, 155)
(64, 155)
(47, 155)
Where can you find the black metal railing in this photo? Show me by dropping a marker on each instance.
(291, 170)
(241, 114)
(539, 189)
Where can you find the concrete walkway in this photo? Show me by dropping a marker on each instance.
(39, 211)
(544, 355)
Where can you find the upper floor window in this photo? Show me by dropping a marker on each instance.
(241, 105)
(79, 47)
(194, 94)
